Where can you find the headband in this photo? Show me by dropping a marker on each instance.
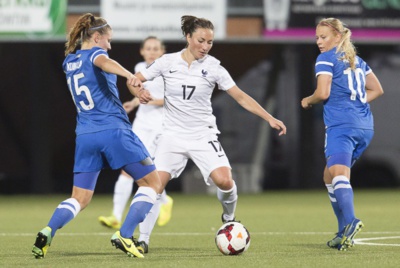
(98, 27)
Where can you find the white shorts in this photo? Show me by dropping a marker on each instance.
(172, 154)
(149, 139)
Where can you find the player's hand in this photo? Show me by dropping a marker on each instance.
(130, 105)
(144, 96)
(134, 81)
(279, 125)
(305, 104)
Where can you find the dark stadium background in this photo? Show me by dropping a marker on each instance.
(37, 117)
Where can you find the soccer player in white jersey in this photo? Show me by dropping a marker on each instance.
(346, 85)
(189, 127)
(104, 137)
(147, 126)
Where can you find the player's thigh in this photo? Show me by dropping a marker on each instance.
(88, 156)
(123, 147)
(364, 138)
(171, 155)
(208, 155)
(343, 146)
(338, 140)
(141, 169)
(149, 139)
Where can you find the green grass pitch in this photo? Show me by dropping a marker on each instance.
(287, 228)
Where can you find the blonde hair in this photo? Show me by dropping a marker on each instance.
(83, 29)
(345, 45)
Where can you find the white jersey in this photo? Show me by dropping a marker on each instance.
(188, 110)
(149, 117)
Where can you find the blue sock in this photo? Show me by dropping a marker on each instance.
(65, 212)
(142, 202)
(344, 197)
(336, 209)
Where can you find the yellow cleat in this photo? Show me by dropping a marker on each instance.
(165, 212)
(42, 243)
(127, 245)
(110, 222)
(349, 233)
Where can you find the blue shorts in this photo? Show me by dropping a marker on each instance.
(88, 180)
(343, 146)
(113, 148)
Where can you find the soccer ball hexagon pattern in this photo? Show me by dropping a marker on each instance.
(232, 238)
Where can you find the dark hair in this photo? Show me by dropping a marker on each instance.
(83, 29)
(150, 38)
(189, 24)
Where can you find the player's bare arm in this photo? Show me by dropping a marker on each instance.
(373, 87)
(129, 106)
(111, 66)
(321, 93)
(142, 94)
(254, 107)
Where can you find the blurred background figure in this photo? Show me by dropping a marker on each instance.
(276, 13)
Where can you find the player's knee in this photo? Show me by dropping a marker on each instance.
(225, 183)
(158, 187)
(83, 196)
(83, 201)
(327, 178)
(152, 180)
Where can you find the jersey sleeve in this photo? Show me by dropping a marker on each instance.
(364, 66)
(140, 66)
(97, 53)
(324, 65)
(154, 69)
(224, 79)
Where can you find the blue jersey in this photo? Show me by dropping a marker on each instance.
(94, 93)
(347, 104)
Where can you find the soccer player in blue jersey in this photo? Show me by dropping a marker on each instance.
(147, 125)
(346, 85)
(104, 136)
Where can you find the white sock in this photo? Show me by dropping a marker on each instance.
(122, 193)
(146, 227)
(163, 198)
(228, 201)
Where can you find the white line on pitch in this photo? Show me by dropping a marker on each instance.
(360, 241)
(212, 232)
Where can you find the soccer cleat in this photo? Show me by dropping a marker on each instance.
(335, 242)
(142, 247)
(42, 243)
(225, 221)
(165, 212)
(350, 232)
(127, 245)
(110, 222)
